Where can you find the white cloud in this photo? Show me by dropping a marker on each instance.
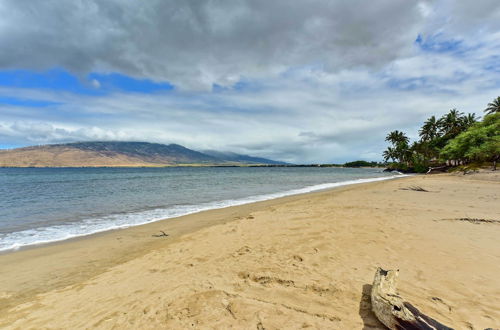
(95, 83)
(331, 118)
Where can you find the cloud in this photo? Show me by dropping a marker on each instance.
(302, 81)
(464, 18)
(95, 83)
(195, 44)
(38, 132)
(309, 116)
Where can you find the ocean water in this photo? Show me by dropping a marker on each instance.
(41, 205)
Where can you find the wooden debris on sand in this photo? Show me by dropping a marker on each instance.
(163, 234)
(415, 188)
(476, 220)
(439, 169)
(392, 310)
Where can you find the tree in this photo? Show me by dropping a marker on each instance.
(396, 137)
(404, 152)
(400, 149)
(389, 153)
(360, 163)
(481, 142)
(429, 130)
(450, 124)
(493, 107)
(469, 120)
(453, 137)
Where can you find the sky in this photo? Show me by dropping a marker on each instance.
(312, 81)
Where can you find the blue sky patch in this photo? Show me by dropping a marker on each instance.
(436, 44)
(427, 84)
(55, 79)
(120, 82)
(240, 86)
(94, 84)
(6, 100)
(9, 146)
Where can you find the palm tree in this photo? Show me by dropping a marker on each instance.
(400, 148)
(400, 153)
(390, 153)
(404, 152)
(396, 137)
(429, 130)
(493, 107)
(469, 120)
(451, 123)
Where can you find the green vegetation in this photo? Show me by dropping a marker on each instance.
(454, 139)
(362, 163)
(481, 142)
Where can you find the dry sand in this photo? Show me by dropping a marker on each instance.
(298, 262)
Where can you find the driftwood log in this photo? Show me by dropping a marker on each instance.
(392, 310)
(439, 169)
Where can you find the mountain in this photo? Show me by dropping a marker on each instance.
(116, 154)
(233, 157)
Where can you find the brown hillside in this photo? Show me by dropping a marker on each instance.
(119, 153)
(64, 156)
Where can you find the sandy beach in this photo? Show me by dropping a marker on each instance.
(303, 261)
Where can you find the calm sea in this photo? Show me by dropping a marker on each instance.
(40, 205)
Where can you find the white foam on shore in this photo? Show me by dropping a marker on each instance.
(29, 237)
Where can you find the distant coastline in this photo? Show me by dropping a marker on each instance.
(198, 165)
(121, 154)
(116, 154)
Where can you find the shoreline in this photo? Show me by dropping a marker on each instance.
(192, 209)
(334, 238)
(198, 165)
(129, 243)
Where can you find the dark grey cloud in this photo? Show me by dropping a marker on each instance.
(197, 43)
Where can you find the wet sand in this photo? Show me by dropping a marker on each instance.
(294, 262)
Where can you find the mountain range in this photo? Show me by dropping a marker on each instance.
(118, 153)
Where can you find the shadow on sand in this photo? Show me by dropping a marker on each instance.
(370, 321)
